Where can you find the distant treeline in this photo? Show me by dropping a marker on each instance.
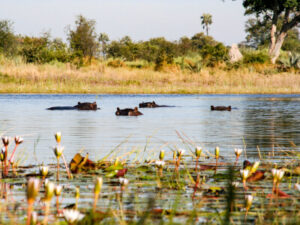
(84, 44)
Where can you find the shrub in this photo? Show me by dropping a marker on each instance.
(212, 55)
(115, 63)
(253, 57)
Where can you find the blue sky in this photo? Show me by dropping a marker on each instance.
(140, 19)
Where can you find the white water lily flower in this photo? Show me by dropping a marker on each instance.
(44, 170)
(235, 184)
(57, 190)
(57, 136)
(123, 181)
(274, 172)
(49, 190)
(180, 152)
(33, 186)
(280, 174)
(18, 140)
(238, 151)
(198, 151)
(217, 152)
(58, 150)
(72, 215)
(98, 185)
(249, 199)
(5, 140)
(159, 163)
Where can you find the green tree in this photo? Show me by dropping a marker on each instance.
(258, 34)
(206, 21)
(7, 38)
(272, 10)
(83, 39)
(103, 39)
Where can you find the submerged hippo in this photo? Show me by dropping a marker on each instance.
(220, 108)
(128, 112)
(151, 105)
(79, 106)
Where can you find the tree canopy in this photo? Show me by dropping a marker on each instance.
(272, 10)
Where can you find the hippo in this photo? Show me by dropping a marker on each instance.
(128, 112)
(79, 106)
(151, 105)
(220, 108)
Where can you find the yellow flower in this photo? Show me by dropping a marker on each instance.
(44, 170)
(161, 154)
(217, 152)
(238, 152)
(57, 137)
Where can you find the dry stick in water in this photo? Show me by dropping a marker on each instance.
(66, 165)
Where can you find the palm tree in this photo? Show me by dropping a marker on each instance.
(206, 20)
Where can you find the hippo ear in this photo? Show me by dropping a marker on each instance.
(78, 103)
(94, 103)
(212, 107)
(153, 102)
(135, 109)
(118, 109)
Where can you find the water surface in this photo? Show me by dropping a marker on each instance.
(267, 121)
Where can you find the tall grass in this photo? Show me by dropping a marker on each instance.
(19, 77)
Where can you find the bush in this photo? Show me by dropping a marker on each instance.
(115, 63)
(253, 57)
(212, 55)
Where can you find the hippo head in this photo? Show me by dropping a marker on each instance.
(212, 107)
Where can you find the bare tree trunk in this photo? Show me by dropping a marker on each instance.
(273, 38)
(275, 51)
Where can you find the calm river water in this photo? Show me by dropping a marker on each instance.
(256, 120)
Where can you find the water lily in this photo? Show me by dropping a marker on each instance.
(161, 154)
(71, 216)
(33, 186)
(249, 199)
(2, 154)
(159, 163)
(98, 185)
(235, 184)
(180, 152)
(217, 155)
(58, 150)
(237, 152)
(5, 141)
(248, 203)
(58, 190)
(198, 151)
(123, 181)
(18, 140)
(217, 152)
(44, 171)
(244, 174)
(97, 190)
(49, 191)
(57, 136)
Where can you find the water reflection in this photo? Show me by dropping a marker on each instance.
(256, 120)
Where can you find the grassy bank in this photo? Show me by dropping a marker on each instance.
(19, 77)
